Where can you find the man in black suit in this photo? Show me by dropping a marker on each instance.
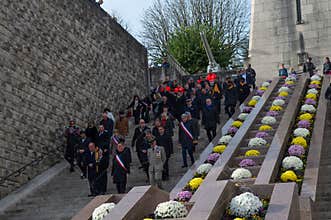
(138, 139)
(92, 160)
(81, 151)
(165, 141)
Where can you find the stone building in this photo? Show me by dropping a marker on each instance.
(59, 59)
(287, 32)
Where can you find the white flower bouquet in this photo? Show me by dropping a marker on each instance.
(100, 212)
(204, 168)
(265, 84)
(245, 205)
(269, 120)
(312, 91)
(257, 98)
(290, 78)
(283, 89)
(242, 116)
(292, 162)
(315, 78)
(278, 102)
(225, 139)
(308, 108)
(241, 173)
(301, 132)
(257, 142)
(170, 209)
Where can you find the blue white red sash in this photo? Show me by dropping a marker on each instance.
(115, 140)
(119, 161)
(187, 132)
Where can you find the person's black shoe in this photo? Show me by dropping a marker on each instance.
(184, 166)
(91, 195)
(140, 167)
(82, 176)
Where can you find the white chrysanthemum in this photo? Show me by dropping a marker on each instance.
(265, 84)
(225, 139)
(242, 116)
(245, 205)
(257, 142)
(103, 210)
(283, 89)
(241, 173)
(292, 162)
(308, 108)
(257, 98)
(170, 209)
(316, 78)
(312, 91)
(204, 168)
(278, 102)
(268, 120)
(290, 78)
(301, 132)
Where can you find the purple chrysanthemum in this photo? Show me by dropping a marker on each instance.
(259, 92)
(232, 130)
(281, 97)
(247, 109)
(296, 150)
(269, 81)
(261, 134)
(304, 124)
(272, 113)
(184, 196)
(213, 157)
(310, 102)
(247, 163)
(313, 86)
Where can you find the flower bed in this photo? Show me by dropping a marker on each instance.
(295, 158)
(203, 169)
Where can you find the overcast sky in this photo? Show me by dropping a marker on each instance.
(130, 10)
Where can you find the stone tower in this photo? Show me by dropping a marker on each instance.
(287, 31)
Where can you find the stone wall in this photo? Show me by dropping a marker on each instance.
(59, 59)
(275, 34)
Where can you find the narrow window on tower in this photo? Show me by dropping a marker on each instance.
(299, 14)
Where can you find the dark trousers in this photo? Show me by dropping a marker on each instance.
(121, 186)
(102, 182)
(189, 149)
(211, 133)
(165, 172)
(136, 115)
(80, 163)
(93, 186)
(230, 109)
(70, 155)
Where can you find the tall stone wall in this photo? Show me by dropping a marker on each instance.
(59, 59)
(275, 34)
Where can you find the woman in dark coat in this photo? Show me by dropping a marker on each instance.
(210, 119)
(243, 90)
(136, 106)
(231, 97)
(121, 166)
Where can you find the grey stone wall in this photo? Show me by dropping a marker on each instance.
(275, 34)
(58, 59)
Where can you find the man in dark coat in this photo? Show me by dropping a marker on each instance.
(72, 134)
(92, 160)
(81, 151)
(250, 76)
(309, 67)
(186, 138)
(210, 119)
(243, 91)
(231, 98)
(138, 138)
(191, 108)
(328, 93)
(107, 123)
(121, 166)
(165, 141)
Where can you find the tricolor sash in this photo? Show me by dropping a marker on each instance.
(119, 161)
(187, 132)
(115, 140)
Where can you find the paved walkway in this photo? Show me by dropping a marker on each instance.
(66, 194)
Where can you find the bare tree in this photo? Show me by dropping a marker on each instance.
(163, 18)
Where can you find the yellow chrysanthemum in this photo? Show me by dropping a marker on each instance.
(265, 128)
(252, 153)
(299, 141)
(290, 82)
(195, 183)
(276, 108)
(289, 176)
(283, 94)
(237, 124)
(239, 219)
(219, 149)
(311, 96)
(315, 82)
(306, 116)
(252, 103)
(263, 88)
